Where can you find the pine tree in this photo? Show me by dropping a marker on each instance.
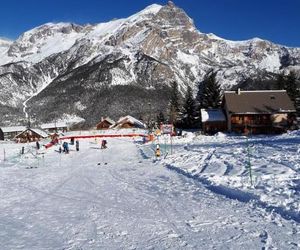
(174, 103)
(291, 86)
(160, 118)
(211, 96)
(281, 81)
(188, 113)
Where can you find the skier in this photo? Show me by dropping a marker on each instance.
(103, 144)
(66, 147)
(157, 151)
(37, 145)
(77, 145)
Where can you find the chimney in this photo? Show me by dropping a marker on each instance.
(102, 119)
(238, 91)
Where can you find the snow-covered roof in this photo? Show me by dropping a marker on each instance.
(54, 125)
(13, 129)
(35, 130)
(212, 115)
(40, 132)
(109, 120)
(131, 120)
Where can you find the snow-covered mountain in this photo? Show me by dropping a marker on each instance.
(118, 67)
(4, 45)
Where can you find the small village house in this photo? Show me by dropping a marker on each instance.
(31, 135)
(105, 123)
(129, 122)
(263, 111)
(55, 127)
(213, 121)
(8, 133)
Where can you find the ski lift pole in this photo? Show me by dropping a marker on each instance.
(171, 144)
(249, 162)
(165, 145)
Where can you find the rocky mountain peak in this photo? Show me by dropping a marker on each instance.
(171, 15)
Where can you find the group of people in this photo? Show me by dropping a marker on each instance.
(66, 150)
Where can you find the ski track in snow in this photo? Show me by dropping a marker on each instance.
(133, 202)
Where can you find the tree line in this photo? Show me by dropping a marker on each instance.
(185, 112)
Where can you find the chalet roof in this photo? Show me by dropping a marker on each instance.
(12, 129)
(40, 132)
(35, 130)
(131, 120)
(212, 115)
(108, 120)
(111, 121)
(263, 102)
(54, 125)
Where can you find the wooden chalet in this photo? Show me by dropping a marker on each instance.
(55, 127)
(105, 123)
(129, 122)
(8, 133)
(264, 111)
(213, 121)
(31, 135)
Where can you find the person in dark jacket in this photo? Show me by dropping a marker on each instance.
(77, 145)
(103, 144)
(66, 147)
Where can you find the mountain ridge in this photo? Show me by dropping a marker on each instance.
(144, 52)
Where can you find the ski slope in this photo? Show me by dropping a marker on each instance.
(123, 198)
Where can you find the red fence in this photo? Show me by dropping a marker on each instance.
(100, 136)
(50, 144)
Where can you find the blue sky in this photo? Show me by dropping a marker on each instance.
(274, 20)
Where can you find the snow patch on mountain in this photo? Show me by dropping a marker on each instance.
(271, 62)
(78, 105)
(187, 58)
(147, 12)
(120, 77)
(71, 119)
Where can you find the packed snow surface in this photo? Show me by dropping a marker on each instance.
(198, 196)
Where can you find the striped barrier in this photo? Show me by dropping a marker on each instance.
(50, 144)
(101, 136)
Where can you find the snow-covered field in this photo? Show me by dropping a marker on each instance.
(222, 163)
(198, 197)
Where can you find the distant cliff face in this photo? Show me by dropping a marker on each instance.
(117, 68)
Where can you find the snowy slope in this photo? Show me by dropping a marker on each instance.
(59, 201)
(222, 163)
